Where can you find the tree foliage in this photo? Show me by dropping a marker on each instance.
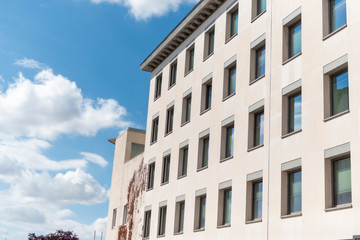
(58, 235)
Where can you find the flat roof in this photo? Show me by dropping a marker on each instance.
(202, 11)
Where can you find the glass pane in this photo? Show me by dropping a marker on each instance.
(342, 181)
(257, 200)
(147, 224)
(337, 14)
(167, 169)
(259, 129)
(181, 216)
(295, 39)
(188, 109)
(232, 80)
(208, 96)
(185, 160)
(163, 221)
(191, 60)
(202, 212)
(234, 23)
(294, 113)
(340, 93)
(260, 62)
(261, 6)
(295, 192)
(229, 142)
(227, 207)
(173, 74)
(211, 42)
(205, 152)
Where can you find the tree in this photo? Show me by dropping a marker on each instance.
(58, 235)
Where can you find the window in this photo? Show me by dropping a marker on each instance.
(336, 87)
(229, 151)
(257, 201)
(294, 113)
(151, 175)
(125, 215)
(227, 138)
(147, 220)
(291, 113)
(173, 71)
(232, 23)
(257, 55)
(259, 129)
(158, 84)
(256, 125)
(206, 92)
(224, 207)
(165, 170)
(113, 224)
(254, 196)
(260, 62)
(169, 120)
(204, 142)
(291, 191)
(162, 221)
(154, 131)
(259, 6)
(200, 211)
(179, 216)
(334, 15)
(209, 42)
(292, 35)
(183, 161)
(229, 78)
(190, 54)
(186, 109)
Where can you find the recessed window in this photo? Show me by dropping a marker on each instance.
(165, 170)
(162, 221)
(151, 175)
(257, 200)
(295, 39)
(294, 192)
(204, 144)
(294, 112)
(186, 111)
(158, 84)
(125, 215)
(179, 216)
(169, 120)
(173, 72)
(200, 211)
(256, 125)
(257, 55)
(190, 58)
(292, 101)
(227, 138)
(209, 42)
(206, 94)
(260, 62)
(259, 129)
(232, 22)
(334, 15)
(113, 224)
(259, 6)
(224, 208)
(292, 35)
(254, 196)
(229, 80)
(147, 221)
(154, 131)
(183, 161)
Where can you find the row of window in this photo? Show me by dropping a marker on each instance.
(338, 196)
(336, 10)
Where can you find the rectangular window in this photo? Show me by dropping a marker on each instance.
(261, 6)
(186, 111)
(256, 125)
(232, 22)
(205, 152)
(173, 72)
(125, 215)
(294, 113)
(259, 129)
(147, 221)
(162, 221)
(206, 93)
(291, 108)
(337, 14)
(341, 181)
(155, 128)
(151, 175)
(190, 58)
(209, 42)
(202, 211)
(158, 84)
(294, 192)
(113, 224)
(183, 161)
(339, 93)
(208, 96)
(292, 35)
(179, 217)
(257, 201)
(229, 151)
(227, 207)
(169, 120)
(231, 81)
(257, 58)
(260, 62)
(165, 170)
(294, 39)
(191, 62)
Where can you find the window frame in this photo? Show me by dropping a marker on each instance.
(186, 109)
(158, 87)
(147, 224)
(173, 74)
(113, 222)
(190, 59)
(155, 130)
(206, 98)
(151, 176)
(200, 212)
(179, 217)
(222, 218)
(254, 111)
(234, 10)
(227, 125)
(203, 160)
(256, 11)
(252, 180)
(169, 127)
(181, 172)
(162, 221)
(209, 44)
(289, 22)
(327, 20)
(165, 173)
(255, 46)
(229, 67)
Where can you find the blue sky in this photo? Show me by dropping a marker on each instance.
(69, 80)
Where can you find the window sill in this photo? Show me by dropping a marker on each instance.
(257, 79)
(339, 207)
(184, 123)
(170, 87)
(160, 236)
(225, 159)
(258, 16)
(145, 238)
(334, 32)
(203, 168)
(153, 142)
(292, 58)
(230, 38)
(149, 189)
(290, 134)
(182, 176)
(164, 183)
(253, 221)
(297, 214)
(167, 134)
(156, 98)
(178, 233)
(229, 96)
(224, 226)
(337, 115)
(254, 148)
(208, 56)
(206, 110)
(188, 72)
(199, 230)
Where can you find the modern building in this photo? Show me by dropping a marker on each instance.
(253, 127)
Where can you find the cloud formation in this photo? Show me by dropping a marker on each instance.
(145, 9)
(30, 63)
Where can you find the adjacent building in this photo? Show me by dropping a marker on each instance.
(253, 127)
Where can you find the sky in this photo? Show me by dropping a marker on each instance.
(70, 80)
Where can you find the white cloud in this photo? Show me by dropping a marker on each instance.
(30, 63)
(2, 80)
(94, 158)
(145, 9)
(52, 105)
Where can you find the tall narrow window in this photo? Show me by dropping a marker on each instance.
(339, 93)
(147, 221)
(206, 92)
(158, 84)
(257, 201)
(294, 113)
(173, 72)
(165, 170)
(259, 129)
(205, 151)
(227, 206)
(341, 181)
(209, 42)
(180, 211)
(169, 120)
(294, 39)
(231, 81)
(260, 62)
(183, 161)
(337, 14)
(231, 23)
(154, 132)
(188, 109)
(208, 96)
(202, 211)
(191, 62)
(261, 6)
(190, 58)
(234, 23)
(162, 221)
(151, 175)
(125, 215)
(113, 224)
(229, 150)
(294, 192)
